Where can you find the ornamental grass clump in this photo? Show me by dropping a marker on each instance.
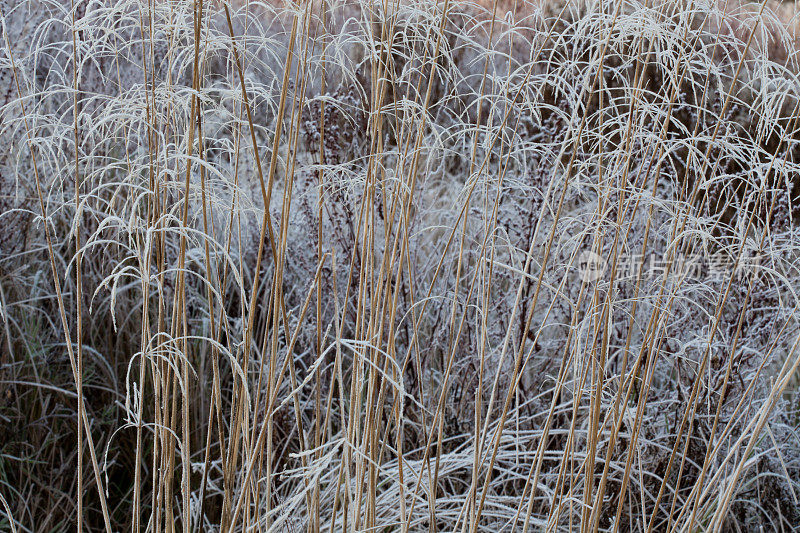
(402, 266)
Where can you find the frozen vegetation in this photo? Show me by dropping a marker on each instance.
(402, 265)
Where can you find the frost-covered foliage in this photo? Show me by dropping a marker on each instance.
(403, 266)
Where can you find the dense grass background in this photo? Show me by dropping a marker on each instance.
(320, 266)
